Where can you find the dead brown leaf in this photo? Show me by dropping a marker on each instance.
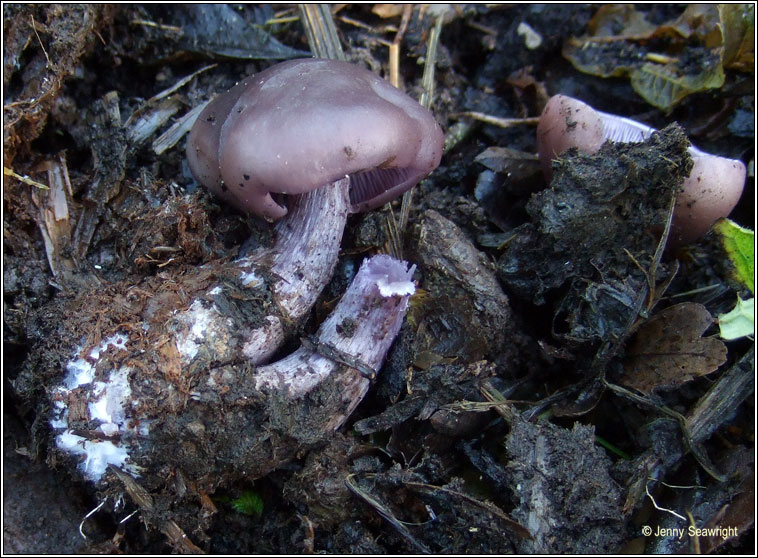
(669, 350)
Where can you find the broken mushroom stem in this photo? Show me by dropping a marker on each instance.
(709, 193)
(238, 420)
(351, 343)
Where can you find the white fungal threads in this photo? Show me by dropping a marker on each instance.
(198, 320)
(250, 279)
(248, 276)
(80, 371)
(106, 406)
(203, 325)
(98, 454)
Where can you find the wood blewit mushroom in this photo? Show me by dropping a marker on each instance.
(711, 191)
(331, 137)
(135, 409)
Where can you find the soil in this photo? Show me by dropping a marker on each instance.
(524, 407)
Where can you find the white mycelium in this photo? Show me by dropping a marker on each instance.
(106, 406)
(248, 276)
(199, 318)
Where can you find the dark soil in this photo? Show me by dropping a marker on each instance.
(517, 412)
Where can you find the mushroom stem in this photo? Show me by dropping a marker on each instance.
(238, 420)
(307, 245)
(272, 289)
(301, 261)
(351, 343)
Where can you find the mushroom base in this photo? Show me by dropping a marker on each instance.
(129, 414)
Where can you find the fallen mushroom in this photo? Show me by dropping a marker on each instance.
(711, 191)
(134, 409)
(238, 420)
(334, 137)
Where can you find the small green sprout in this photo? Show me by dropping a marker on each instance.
(250, 503)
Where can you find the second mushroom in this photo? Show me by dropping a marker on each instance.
(711, 191)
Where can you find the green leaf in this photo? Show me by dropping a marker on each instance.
(739, 244)
(740, 322)
(663, 86)
(738, 25)
(249, 503)
(666, 62)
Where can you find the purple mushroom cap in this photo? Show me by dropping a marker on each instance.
(302, 124)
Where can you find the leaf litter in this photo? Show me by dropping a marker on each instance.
(425, 447)
(669, 350)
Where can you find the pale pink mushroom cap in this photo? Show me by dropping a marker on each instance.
(711, 192)
(565, 123)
